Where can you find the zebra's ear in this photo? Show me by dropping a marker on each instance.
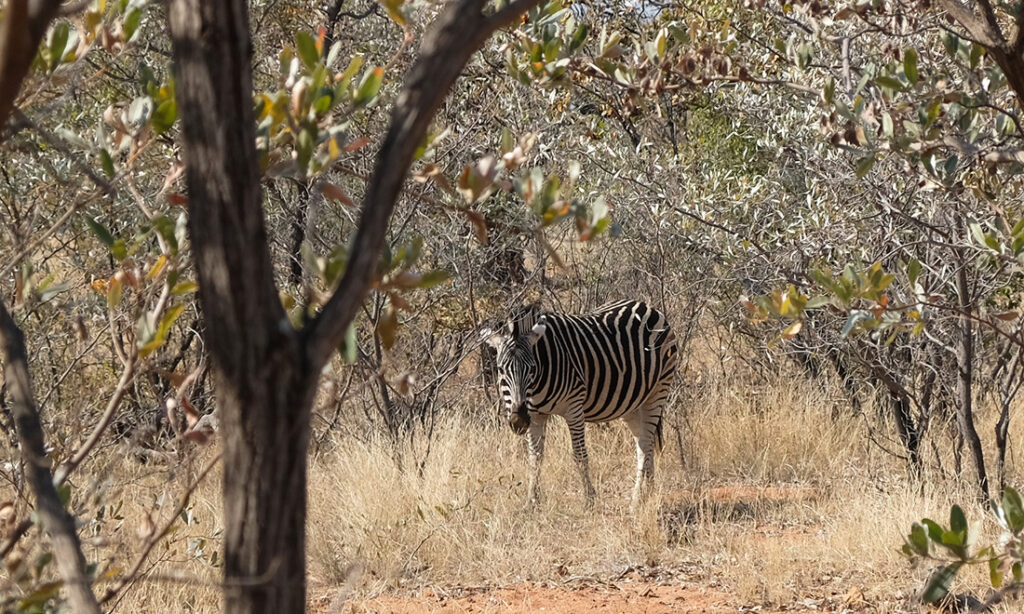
(537, 332)
(491, 338)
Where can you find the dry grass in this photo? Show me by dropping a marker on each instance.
(770, 496)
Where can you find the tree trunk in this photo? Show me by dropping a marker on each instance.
(52, 516)
(265, 387)
(266, 372)
(965, 375)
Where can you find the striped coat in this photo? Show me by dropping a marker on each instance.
(617, 362)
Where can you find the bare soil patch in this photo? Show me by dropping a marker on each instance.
(607, 598)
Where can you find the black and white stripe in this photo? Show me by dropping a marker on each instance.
(617, 362)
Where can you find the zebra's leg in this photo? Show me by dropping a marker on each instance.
(644, 426)
(578, 433)
(535, 440)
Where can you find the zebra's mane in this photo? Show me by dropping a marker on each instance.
(524, 319)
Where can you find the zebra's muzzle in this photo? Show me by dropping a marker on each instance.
(519, 421)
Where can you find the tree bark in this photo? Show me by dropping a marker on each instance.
(264, 385)
(53, 517)
(965, 374)
(24, 25)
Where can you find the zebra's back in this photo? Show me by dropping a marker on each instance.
(610, 362)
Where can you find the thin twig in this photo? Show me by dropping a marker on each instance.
(132, 575)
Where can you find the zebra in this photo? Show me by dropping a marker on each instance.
(617, 362)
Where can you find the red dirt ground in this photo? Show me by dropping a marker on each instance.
(636, 592)
(636, 599)
(609, 598)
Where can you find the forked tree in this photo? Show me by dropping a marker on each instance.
(266, 370)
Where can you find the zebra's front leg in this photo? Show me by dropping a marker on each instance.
(644, 429)
(578, 433)
(535, 440)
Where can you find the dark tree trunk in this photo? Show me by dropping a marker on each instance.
(264, 384)
(908, 431)
(910, 434)
(965, 375)
(299, 224)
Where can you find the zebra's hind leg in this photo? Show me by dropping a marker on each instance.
(535, 440)
(578, 434)
(644, 426)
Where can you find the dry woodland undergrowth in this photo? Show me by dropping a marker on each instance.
(770, 498)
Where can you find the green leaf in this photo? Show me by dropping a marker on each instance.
(995, 576)
(938, 585)
(185, 287)
(888, 129)
(952, 43)
(107, 163)
(114, 291)
(433, 278)
(508, 142)
(52, 291)
(353, 67)
(39, 597)
(163, 329)
(349, 345)
(306, 47)
(1018, 228)
(394, 10)
(119, 250)
(369, 86)
(683, 36)
(166, 228)
(887, 82)
(818, 301)
(164, 116)
(913, 270)
(977, 232)
(58, 41)
(578, 37)
(1013, 510)
(976, 52)
(864, 165)
(64, 493)
(100, 231)
(132, 19)
(910, 65)
(917, 540)
(934, 530)
(958, 521)
(387, 327)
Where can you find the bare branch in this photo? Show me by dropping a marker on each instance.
(49, 508)
(977, 27)
(108, 416)
(155, 538)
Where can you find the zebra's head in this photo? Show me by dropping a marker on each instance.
(517, 364)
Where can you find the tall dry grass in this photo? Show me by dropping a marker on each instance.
(766, 490)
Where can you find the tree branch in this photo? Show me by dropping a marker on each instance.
(978, 28)
(23, 28)
(52, 515)
(460, 30)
